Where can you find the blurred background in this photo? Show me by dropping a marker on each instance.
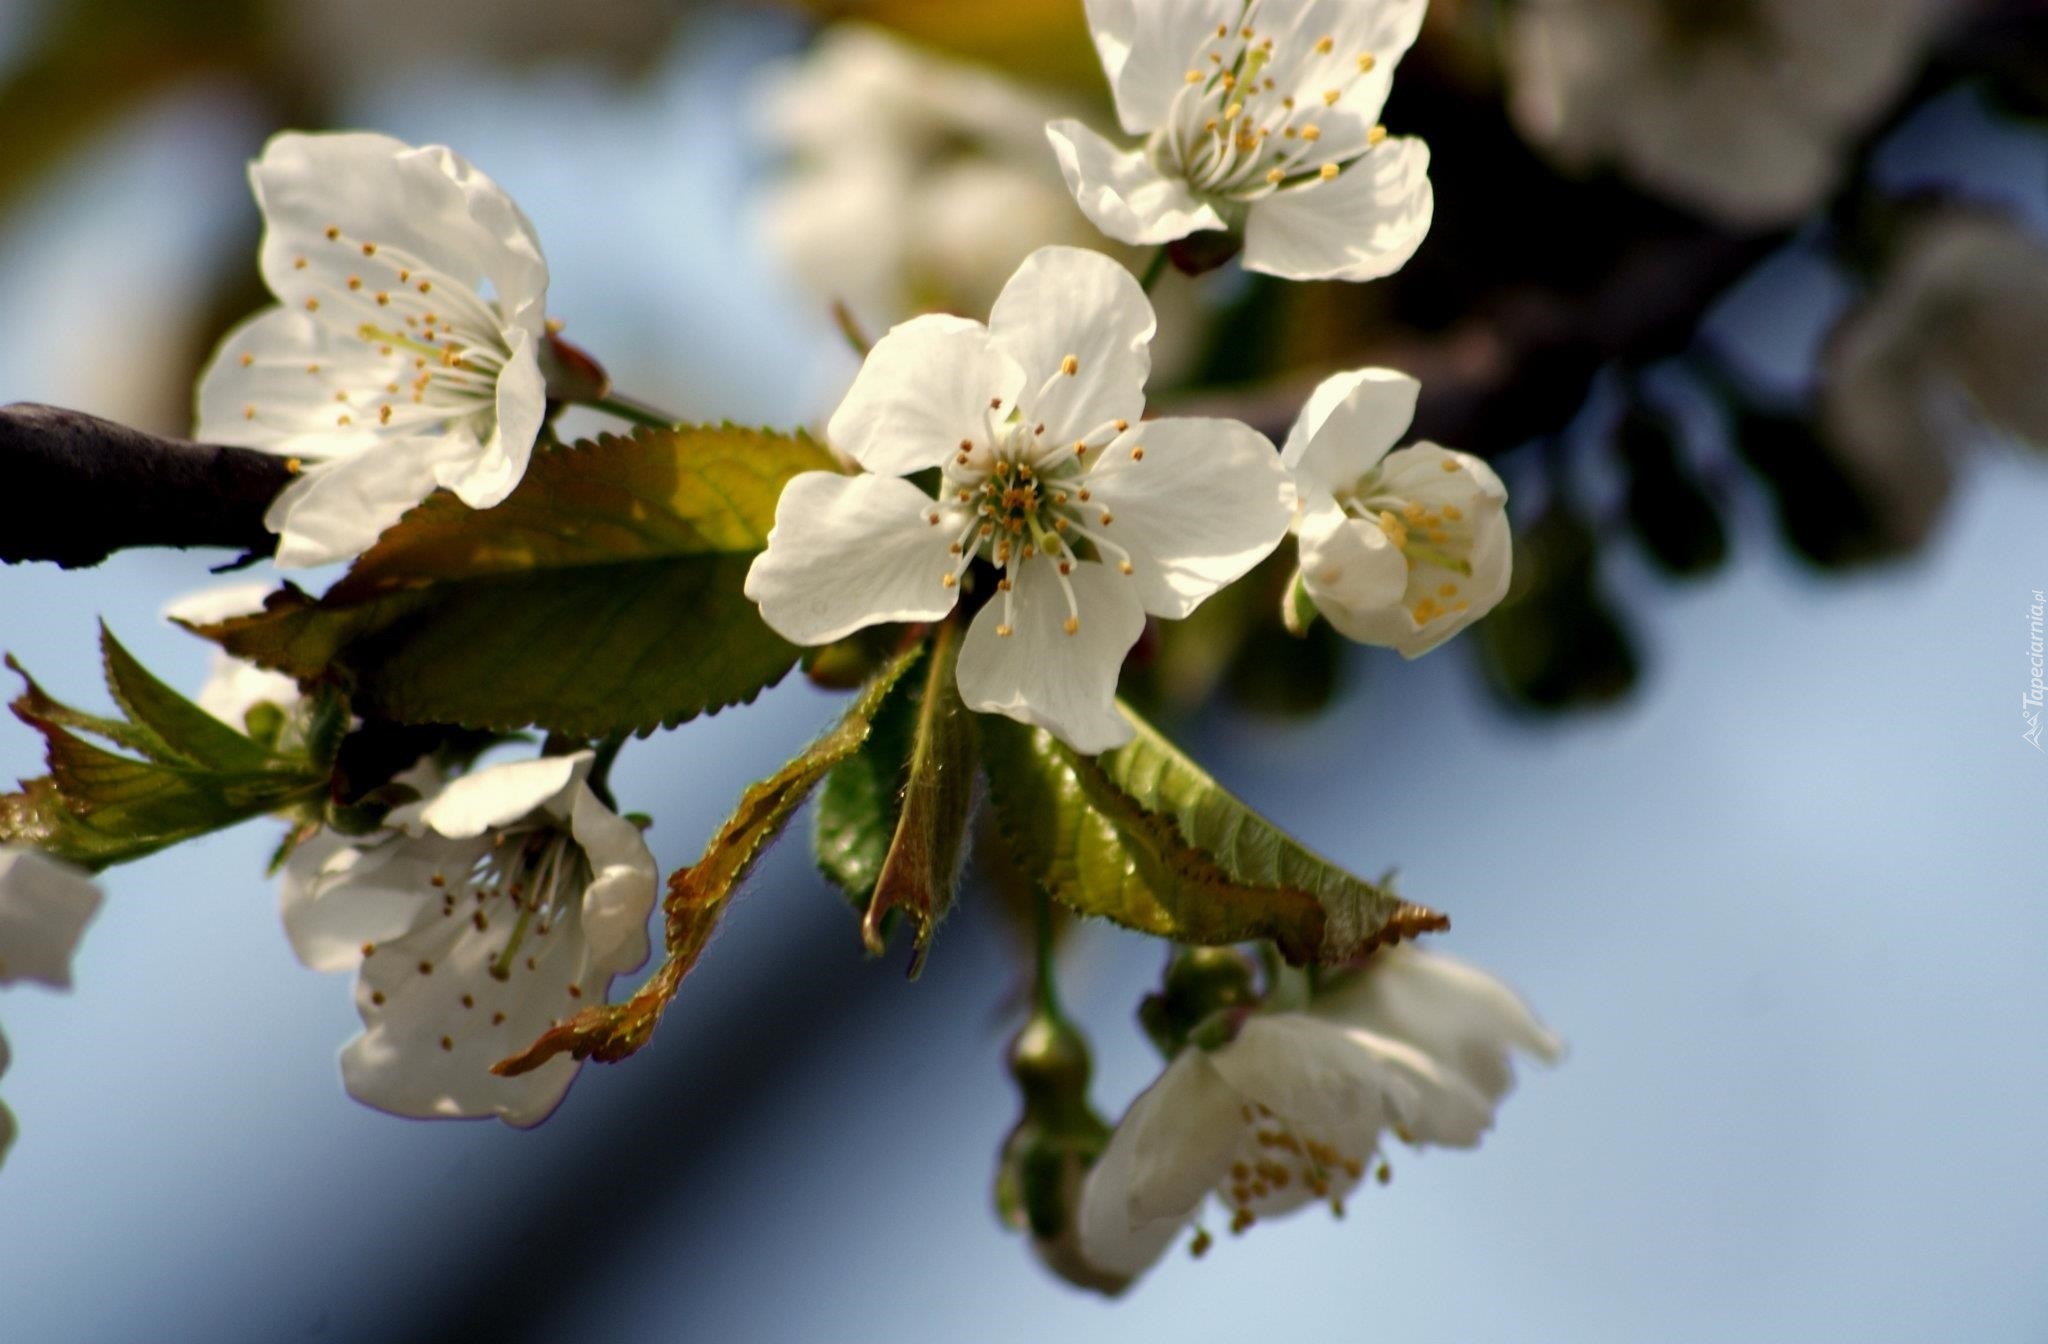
(1749, 305)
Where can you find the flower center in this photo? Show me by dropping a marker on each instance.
(1280, 1158)
(1439, 538)
(1248, 120)
(1013, 495)
(530, 874)
(430, 348)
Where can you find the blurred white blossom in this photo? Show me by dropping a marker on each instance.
(45, 905)
(383, 370)
(1292, 1111)
(1947, 346)
(909, 181)
(492, 909)
(1405, 547)
(1739, 109)
(1261, 121)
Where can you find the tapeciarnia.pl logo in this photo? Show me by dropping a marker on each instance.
(2030, 704)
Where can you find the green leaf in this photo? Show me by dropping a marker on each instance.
(98, 807)
(698, 895)
(922, 868)
(1143, 836)
(602, 597)
(183, 731)
(857, 805)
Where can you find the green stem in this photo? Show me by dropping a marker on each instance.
(600, 780)
(1153, 270)
(637, 412)
(1045, 993)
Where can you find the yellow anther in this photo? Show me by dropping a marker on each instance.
(1449, 464)
(1376, 136)
(1448, 590)
(292, 467)
(1004, 632)
(247, 360)
(248, 412)
(332, 233)
(1124, 566)
(1395, 530)
(1122, 425)
(1325, 45)
(298, 263)
(1366, 62)
(1452, 512)
(1137, 455)
(1328, 172)
(355, 282)
(1196, 76)
(1414, 511)
(1071, 365)
(343, 420)
(1275, 176)
(1311, 133)
(312, 305)
(1330, 97)
(1072, 625)
(1228, 80)
(1230, 113)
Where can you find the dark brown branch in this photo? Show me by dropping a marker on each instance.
(75, 488)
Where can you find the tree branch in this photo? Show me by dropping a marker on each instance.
(75, 488)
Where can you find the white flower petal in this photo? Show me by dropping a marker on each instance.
(1122, 193)
(271, 385)
(1451, 1011)
(1040, 674)
(428, 204)
(335, 898)
(498, 795)
(1207, 501)
(1068, 302)
(1113, 24)
(1350, 422)
(436, 1019)
(1165, 39)
(1170, 1149)
(1361, 225)
(852, 551)
(926, 385)
(1354, 574)
(1383, 29)
(486, 478)
(623, 884)
(45, 905)
(222, 602)
(337, 509)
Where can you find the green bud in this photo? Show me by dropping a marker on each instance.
(1200, 982)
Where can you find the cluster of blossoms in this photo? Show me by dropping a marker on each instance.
(1009, 484)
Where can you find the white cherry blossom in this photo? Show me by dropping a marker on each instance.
(1089, 517)
(494, 908)
(1738, 108)
(404, 353)
(1262, 119)
(1403, 548)
(1293, 1110)
(45, 905)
